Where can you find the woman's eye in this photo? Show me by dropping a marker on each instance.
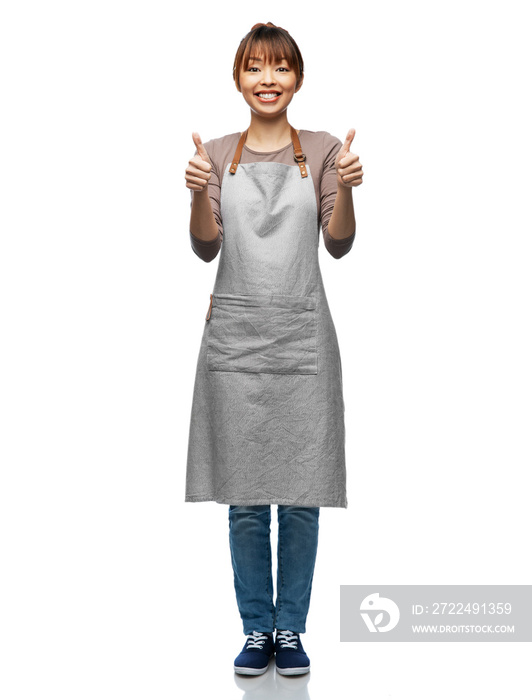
(254, 68)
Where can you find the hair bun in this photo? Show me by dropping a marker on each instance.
(265, 24)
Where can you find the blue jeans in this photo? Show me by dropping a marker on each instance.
(251, 557)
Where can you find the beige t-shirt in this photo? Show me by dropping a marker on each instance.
(320, 148)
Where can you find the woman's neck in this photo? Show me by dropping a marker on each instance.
(268, 134)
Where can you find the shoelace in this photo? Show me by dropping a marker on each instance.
(256, 640)
(287, 638)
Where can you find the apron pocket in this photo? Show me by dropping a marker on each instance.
(272, 333)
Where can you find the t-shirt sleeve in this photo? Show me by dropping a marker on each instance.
(337, 247)
(208, 250)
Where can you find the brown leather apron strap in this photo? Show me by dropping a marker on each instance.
(207, 317)
(238, 153)
(299, 156)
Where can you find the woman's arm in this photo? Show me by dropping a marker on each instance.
(206, 230)
(205, 236)
(342, 223)
(202, 222)
(349, 172)
(333, 200)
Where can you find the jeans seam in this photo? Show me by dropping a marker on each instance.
(269, 582)
(280, 574)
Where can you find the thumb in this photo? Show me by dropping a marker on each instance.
(347, 144)
(200, 147)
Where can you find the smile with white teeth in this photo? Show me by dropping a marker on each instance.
(268, 95)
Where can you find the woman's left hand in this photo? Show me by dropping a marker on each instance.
(348, 167)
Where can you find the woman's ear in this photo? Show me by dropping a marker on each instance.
(300, 83)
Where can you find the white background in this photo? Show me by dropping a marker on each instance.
(112, 586)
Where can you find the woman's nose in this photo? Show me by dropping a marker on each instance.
(268, 76)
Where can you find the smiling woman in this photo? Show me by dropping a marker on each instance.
(267, 420)
(272, 47)
(268, 71)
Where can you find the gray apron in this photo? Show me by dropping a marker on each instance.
(267, 419)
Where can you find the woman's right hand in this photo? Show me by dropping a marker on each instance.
(199, 168)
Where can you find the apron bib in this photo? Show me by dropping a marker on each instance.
(267, 420)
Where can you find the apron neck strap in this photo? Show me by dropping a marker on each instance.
(299, 156)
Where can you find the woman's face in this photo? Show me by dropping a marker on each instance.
(268, 88)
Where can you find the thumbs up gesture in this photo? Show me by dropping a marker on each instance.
(198, 172)
(348, 167)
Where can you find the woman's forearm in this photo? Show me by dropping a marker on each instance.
(342, 223)
(202, 222)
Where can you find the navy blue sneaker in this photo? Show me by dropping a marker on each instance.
(290, 657)
(256, 654)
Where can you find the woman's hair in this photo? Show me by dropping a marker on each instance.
(274, 43)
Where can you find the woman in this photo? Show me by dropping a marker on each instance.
(267, 421)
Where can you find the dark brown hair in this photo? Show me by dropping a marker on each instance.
(274, 43)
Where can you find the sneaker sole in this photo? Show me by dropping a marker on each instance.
(293, 671)
(245, 671)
